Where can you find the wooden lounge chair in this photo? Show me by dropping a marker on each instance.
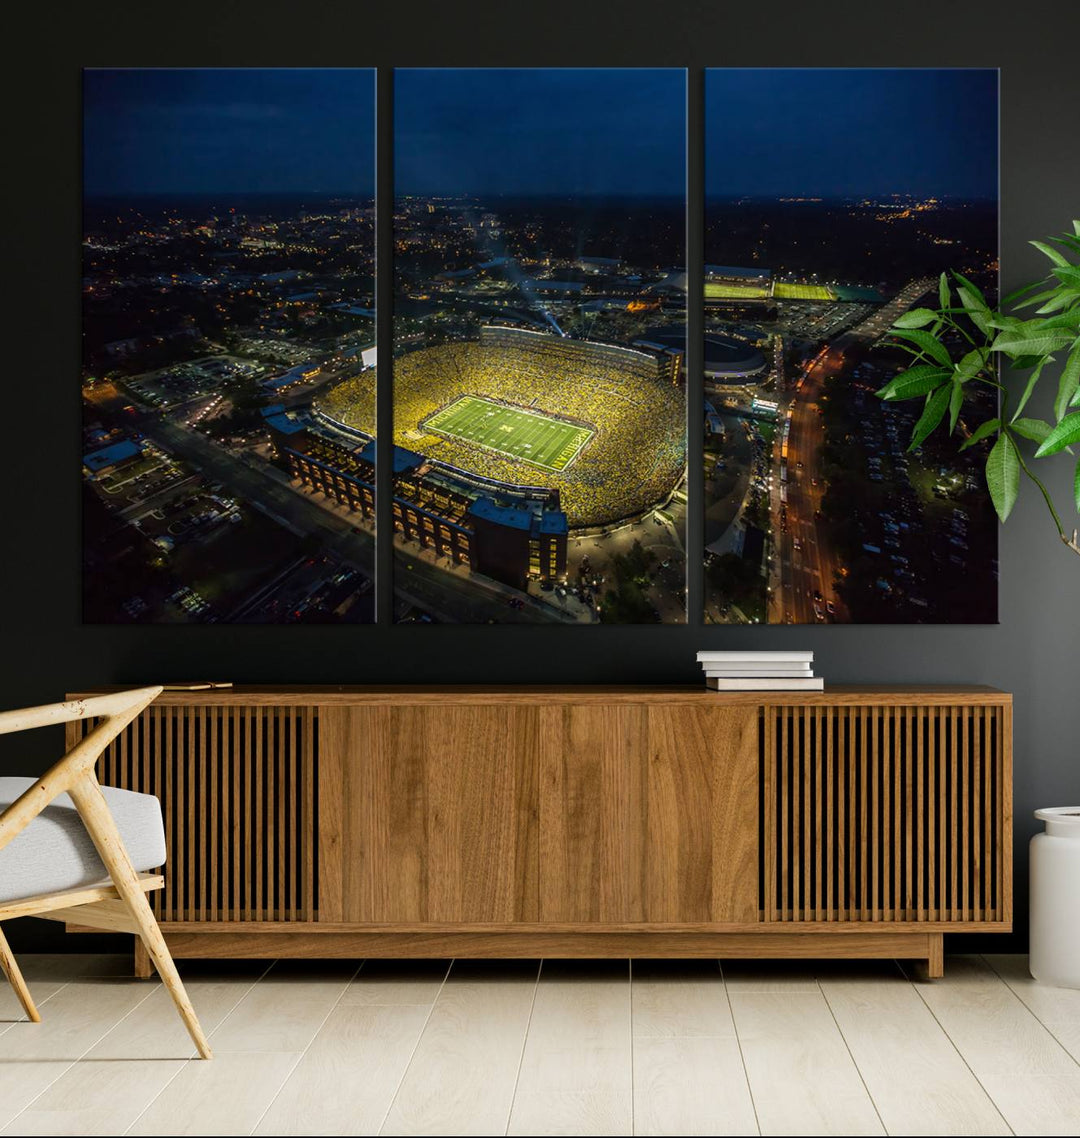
(72, 850)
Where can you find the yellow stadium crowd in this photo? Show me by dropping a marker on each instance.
(634, 460)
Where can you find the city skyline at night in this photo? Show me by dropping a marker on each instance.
(835, 199)
(540, 387)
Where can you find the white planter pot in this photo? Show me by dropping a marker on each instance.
(1055, 898)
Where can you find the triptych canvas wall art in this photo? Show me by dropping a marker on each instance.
(540, 394)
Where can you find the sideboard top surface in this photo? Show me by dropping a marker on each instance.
(689, 694)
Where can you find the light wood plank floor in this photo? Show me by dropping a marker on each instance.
(563, 1047)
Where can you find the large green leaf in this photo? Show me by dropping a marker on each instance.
(927, 344)
(1064, 434)
(1039, 297)
(1063, 298)
(1034, 429)
(937, 402)
(1003, 475)
(956, 401)
(915, 381)
(1065, 321)
(916, 318)
(1022, 291)
(1030, 342)
(1068, 274)
(979, 314)
(1057, 257)
(974, 292)
(980, 433)
(1033, 379)
(969, 366)
(1023, 363)
(943, 290)
(1069, 383)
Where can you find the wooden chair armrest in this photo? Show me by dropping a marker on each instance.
(117, 710)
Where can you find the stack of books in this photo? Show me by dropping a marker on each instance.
(760, 671)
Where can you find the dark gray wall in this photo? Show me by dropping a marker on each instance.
(45, 650)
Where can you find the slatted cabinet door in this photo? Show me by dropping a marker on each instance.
(238, 791)
(887, 813)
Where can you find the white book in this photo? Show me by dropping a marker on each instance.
(757, 668)
(750, 674)
(755, 657)
(812, 684)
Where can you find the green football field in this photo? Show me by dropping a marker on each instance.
(791, 290)
(528, 436)
(716, 290)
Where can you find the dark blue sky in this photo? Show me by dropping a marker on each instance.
(841, 133)
(229, 131)
(602, 131)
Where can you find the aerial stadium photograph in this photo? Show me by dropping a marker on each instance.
(835, 201)
(539, 392)
(228, 279)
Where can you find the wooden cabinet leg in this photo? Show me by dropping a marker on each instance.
(143, 969)
(935, 963)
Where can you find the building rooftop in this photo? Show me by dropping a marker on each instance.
(553, 521)
(109, 456)
(510, 516)
(284, 424)
(737, 272)
(404, 459)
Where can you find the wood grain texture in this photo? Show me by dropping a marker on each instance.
(225, 1097)
(691, 1085)
(576, 1070)
(801, 1074)
(347, 1078)
(462, 1077)
(917, 1079)
(648, 813)
(522, 811)
(439, 812)
(393, 695)
(14, 977)
(293, 943)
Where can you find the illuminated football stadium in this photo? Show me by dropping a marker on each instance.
(727, 360)
(604, 425)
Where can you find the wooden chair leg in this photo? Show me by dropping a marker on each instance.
(94, 812)
(15, 979)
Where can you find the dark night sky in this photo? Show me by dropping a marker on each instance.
(229, 131)
(600, 131)
(604, 131)
(843, 133)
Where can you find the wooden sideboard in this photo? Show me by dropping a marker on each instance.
(576, 821)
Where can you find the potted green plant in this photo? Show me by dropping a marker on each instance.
(963, 341)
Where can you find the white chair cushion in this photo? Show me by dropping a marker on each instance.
(55, 852)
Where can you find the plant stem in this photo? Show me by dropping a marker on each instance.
(1072, 542)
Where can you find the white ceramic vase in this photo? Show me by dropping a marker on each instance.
(1055, 898)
